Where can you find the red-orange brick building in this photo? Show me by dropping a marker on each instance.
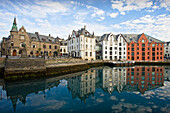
(145, 78)
(144, 48)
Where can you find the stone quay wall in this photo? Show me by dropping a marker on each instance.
(24, 65)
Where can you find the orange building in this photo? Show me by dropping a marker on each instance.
(144, 48)
(145, 78)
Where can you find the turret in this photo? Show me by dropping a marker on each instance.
(14, 27)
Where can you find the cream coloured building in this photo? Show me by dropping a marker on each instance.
(81, 44)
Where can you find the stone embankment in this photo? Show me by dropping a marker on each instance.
(19, 69)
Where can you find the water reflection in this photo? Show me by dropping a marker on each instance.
(83, 85)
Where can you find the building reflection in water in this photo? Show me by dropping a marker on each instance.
(126, 79)
(82, 86)
(109, 79)
(19, 90)
(144, 78)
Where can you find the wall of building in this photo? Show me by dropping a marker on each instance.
(114, 49)
(145, 51)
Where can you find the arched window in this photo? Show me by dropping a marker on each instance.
(33, 46)
(12, 43)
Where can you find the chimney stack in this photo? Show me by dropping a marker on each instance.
(49, 35)
(36, 33)
(85, 27)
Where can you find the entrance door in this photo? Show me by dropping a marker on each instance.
(37, 53)
(14, 53)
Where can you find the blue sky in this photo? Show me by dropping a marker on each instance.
(60, 17)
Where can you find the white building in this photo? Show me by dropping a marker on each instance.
(63, 48)
(113, 47)
(167, 50)
(81, 44)
(114, 79)
(82, 86)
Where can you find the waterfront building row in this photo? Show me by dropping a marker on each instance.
(85, 45)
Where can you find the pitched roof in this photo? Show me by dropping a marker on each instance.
(41, 38)
(132, 37)
(84, 32)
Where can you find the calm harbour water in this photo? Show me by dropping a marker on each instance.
(100, 89)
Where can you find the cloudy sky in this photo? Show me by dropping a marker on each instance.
(60, 17)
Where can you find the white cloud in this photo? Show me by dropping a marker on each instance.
(113, 15)
(127, 5)
(122, 13)
(165, 4)
(96, 11)
(40, 9)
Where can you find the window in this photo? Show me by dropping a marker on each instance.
(55, 47)
(110, 48)
(86, 54)
(153, 49)
(49, 46)
(132, 45)
(132, 49)
(90, 53)
(22, 37)
(128, 48)
(143, 58)
(143, 49)
(143, 40)
(148, 48)
(153, 45)
(143, 45)
(44, 46)
(132, 53)
(105, 52)
(137, 48)
(33, 46)
(137, 57)
(132, 58)
(137, 53)
(12, 43)
(128, 53)
(157, 48)
(153, 54)
(143, 53)
(120, 44)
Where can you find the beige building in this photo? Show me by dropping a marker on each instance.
(35, 44)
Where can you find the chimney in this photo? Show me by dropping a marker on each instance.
(36, 33)
(49, 35)
(85, 27)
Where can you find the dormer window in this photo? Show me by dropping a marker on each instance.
(33, 38)
(22, 30)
